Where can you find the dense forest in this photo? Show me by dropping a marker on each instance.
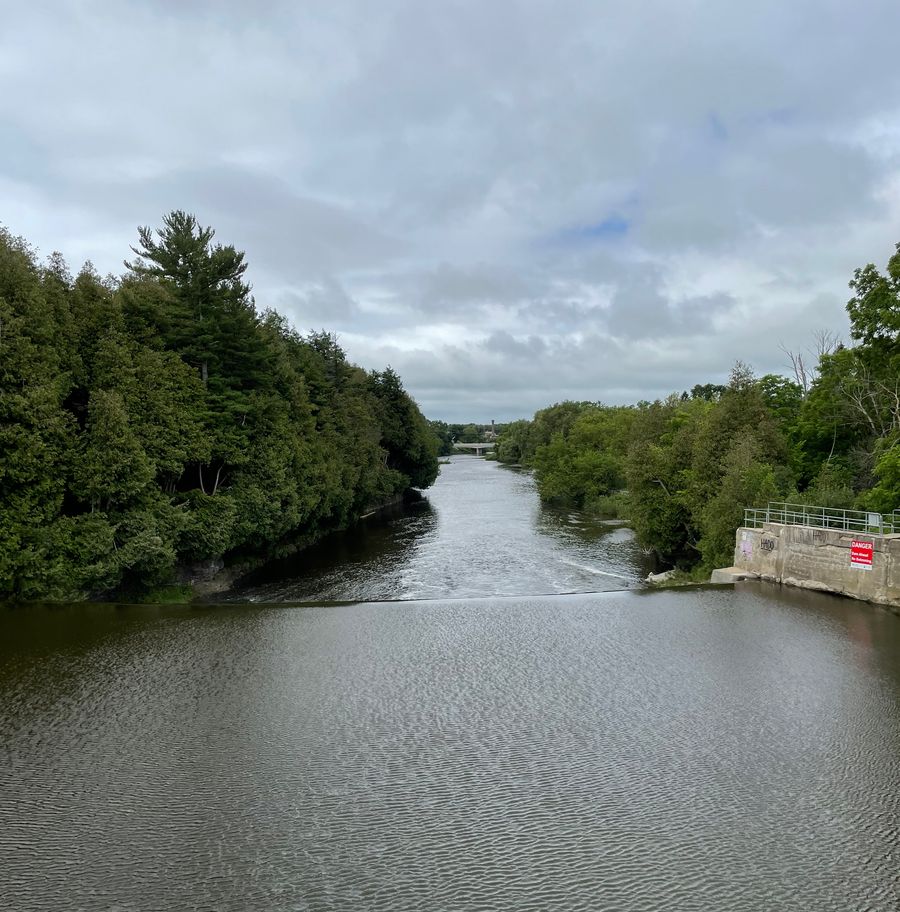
(683, 469)
(158, 420)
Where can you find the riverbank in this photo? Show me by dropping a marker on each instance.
(205, 584)
(204, 580)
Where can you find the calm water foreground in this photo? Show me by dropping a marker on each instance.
(625, 750)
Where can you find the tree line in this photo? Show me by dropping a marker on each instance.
(449, 435)
(160, 419)
(683, 469)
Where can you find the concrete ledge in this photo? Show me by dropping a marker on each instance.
(732, 575)
(660, 577)
(817, 558)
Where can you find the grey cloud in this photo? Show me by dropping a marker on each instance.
(528, 349)
(560, 316)
(479, 283)
(423, 178)
(325, 303)
(284, 233)
(639, 310)
(776, 181)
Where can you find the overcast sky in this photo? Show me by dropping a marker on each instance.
(511, 203)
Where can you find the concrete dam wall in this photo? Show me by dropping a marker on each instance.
(861, 565)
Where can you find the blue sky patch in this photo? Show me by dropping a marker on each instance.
(612, 228)
(717, 129)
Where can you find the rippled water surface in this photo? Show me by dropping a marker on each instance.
(480, 531)
(712, 749)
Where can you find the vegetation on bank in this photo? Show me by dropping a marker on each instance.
(160, 419)
(683, 469)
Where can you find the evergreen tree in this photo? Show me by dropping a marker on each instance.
(159, 420)
(111, 468)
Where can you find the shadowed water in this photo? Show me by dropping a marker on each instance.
(714, 749)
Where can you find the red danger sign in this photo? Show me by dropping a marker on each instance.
(861, 554)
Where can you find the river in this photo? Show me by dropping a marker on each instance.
(488, 742)
(481, 531)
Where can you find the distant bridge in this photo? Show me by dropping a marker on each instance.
(479, 449)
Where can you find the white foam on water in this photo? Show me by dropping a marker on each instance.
(594, 570)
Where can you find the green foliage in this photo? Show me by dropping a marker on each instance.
(111, 468)
(885, 496)
(746, 481)
(584, 460)
(709, 392)
(167, 595)
(209, 525)
(615, 506)
(514, 445)
(874, 309)
(783, 398)
(405, 435)
(442, 432)
(832, 487)
(695, 465)
(692, 464)
(657, 470)
(520, 440)
(161, 420)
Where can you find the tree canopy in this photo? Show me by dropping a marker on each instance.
(160, 419)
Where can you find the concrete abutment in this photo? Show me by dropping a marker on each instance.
(859, 565)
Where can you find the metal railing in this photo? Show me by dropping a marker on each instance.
(823, 518)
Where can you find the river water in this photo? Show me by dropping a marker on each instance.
(481, 531)
(707, 749)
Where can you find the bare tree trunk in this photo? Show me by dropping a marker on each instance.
(799, 368)
(826, 342)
